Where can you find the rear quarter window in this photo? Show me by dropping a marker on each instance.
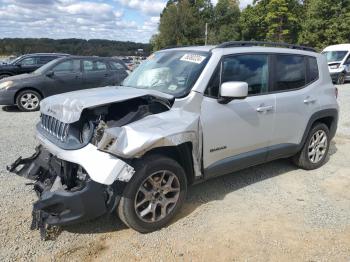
(313, 73)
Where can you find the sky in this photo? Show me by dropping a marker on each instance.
(123, 20)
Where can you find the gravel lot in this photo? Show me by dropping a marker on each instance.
(272, 212)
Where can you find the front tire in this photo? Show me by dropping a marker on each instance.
(315, 149)
(341, 79)
(154, 194)
(28, 100)
(4, 76)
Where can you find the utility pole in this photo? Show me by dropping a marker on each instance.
(206, 33)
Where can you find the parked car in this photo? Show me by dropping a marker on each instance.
(27, 63)
(59, 76)
(338, 58)
(183, 116)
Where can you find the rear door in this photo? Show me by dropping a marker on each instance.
(96, 73)
(296, 89)
(67, 76)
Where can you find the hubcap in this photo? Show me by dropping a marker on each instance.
(157, 196)
(318, 146)
(29, 101)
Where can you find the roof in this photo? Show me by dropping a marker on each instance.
(341, 47)
(248, 44)
(47, 54)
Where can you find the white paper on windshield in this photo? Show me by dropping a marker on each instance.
(193, 58)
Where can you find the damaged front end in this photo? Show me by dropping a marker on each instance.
(66, 192)
(88, 142)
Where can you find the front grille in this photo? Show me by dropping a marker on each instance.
(55, 127)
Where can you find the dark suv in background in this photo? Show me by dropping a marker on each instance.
(27, 63)
(61, 75)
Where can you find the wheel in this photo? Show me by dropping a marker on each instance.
(154, 194)
(341, 79)
(4, 76)
(315, 149)
(28, 100)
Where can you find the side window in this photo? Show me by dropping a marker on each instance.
(88, 65)
(101, 66)
(313, 69)
(30, 61)
(42, 60)
(347, 62)
(290, 72)
(69, 66)
(117, 66)
(252, 69)
(214, 84)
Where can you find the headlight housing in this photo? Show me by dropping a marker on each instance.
(6, 84)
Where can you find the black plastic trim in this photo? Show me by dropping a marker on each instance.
(65, 207)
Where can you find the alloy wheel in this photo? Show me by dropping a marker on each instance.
(157, 196)
(29, 101)
(317, 146)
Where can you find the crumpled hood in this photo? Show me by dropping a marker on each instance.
(68, 107)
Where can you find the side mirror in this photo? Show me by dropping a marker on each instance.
(232, 90)
(50, 73)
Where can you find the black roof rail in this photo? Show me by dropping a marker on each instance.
(261, 43)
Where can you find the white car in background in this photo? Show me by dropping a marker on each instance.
(338, 58)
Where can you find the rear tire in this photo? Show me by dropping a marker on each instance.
(315, 150)
(154, 194)
(28, 100)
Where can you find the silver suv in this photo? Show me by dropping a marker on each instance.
(183, 116)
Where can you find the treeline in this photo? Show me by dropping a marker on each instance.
(315, 23)
(17, 46)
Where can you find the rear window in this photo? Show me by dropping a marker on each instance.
(290, 72)
(313, 69)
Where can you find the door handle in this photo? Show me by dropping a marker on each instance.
(262, 109)
(309, 100)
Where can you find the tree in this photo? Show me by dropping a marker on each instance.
(252, 21)
(282, 20)
(225, 26)
(326, 22)
(180, 24)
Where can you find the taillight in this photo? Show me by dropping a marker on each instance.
(336, 92)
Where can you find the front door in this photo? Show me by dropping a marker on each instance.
(237, 134)
(66, 77)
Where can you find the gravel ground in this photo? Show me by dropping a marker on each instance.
(271, 212)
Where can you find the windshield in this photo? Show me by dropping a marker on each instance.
(43, 69)
(171, 72)
(335, 56)
(14, 61)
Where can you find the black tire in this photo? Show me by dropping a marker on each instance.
(33, 98)
(341, 79)
(127, 209)
(303, 159)
(4, 76)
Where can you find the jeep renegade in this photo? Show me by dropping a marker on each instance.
(183, 116)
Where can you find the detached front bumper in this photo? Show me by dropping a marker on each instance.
(63, 197)
(73, 186)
